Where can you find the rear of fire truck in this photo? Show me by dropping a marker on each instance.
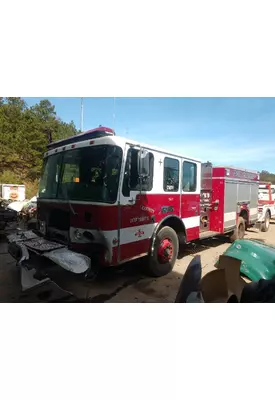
(232, 195)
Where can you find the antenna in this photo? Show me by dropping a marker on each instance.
(81, 115)
(114, 115)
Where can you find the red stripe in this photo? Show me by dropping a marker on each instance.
(192, 234)
(131, 250)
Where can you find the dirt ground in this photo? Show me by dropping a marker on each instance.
(127, 285)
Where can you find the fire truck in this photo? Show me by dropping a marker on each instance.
(105, 200)
(266, 206)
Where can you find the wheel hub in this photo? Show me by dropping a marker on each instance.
(165, 251)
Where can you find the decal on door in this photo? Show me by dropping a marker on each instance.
(139, 219)
(139, 233)
(148, 209)
(167, 209)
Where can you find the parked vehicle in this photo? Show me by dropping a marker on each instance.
(266, 192)
(112, 200)
(12, 192)
(266, 206)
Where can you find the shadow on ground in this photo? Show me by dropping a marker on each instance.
(126, 284)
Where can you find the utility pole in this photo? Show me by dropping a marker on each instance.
(81, 115)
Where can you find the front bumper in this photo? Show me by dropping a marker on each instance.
(35, 255)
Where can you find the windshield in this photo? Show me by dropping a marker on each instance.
(85, 174)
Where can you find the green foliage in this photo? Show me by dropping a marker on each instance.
(24, 135)
(267, 177)
(10, 177)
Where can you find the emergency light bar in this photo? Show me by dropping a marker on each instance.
(99, 132)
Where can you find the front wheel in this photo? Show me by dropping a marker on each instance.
(165, 253)
(266, 223)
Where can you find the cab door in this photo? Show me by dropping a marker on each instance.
(134, 221)
(190, 198)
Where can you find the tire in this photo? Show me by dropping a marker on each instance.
(239, 231)
(266, 223)
(165, 253)
(245, 218)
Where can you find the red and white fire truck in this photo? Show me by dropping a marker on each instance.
(266, 206)
(113, 200)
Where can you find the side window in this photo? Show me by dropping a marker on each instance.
(131, 179)
(171, 175)
(189, 176)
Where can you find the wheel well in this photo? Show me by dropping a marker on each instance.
(175, 223)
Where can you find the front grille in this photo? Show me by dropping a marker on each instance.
(58, 226)
(59, 219)
(58, 235)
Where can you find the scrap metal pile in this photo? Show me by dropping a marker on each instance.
(22, 212)
(226, 284)
(6, 214)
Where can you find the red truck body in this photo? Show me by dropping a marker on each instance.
(119, 195)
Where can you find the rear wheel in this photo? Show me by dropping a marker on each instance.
(239, 231)
(266, 223)
(165, 253)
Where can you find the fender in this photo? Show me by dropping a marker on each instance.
(260, 267)
(263, 213)
(153, 238)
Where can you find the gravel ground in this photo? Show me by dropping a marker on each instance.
(127, 285)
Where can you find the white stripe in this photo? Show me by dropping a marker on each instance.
(127, 235)
(230, 216)
(191, 222)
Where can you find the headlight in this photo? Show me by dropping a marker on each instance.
(42, 227)
(77, 234)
